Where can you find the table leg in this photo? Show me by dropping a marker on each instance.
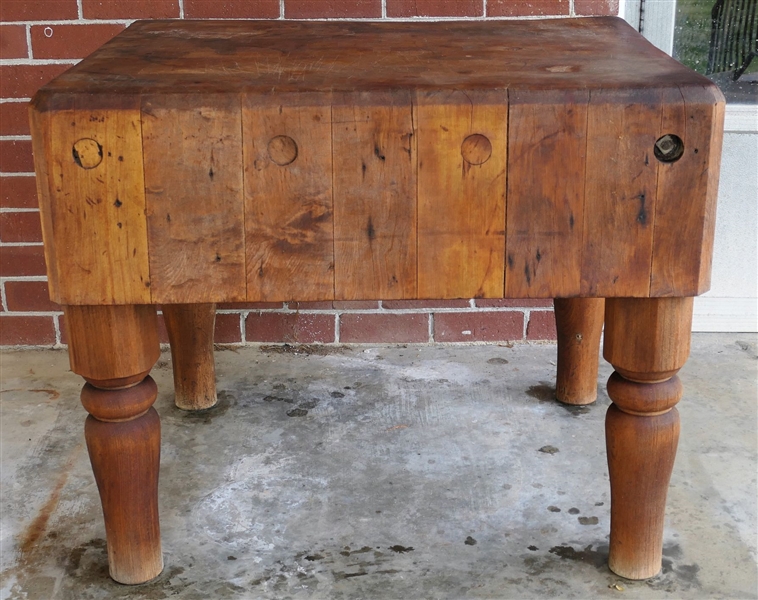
(190, 332)
(114, 348)
(647, 340)
(579, 322)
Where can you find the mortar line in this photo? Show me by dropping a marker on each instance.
(29, 42)
(3, 299)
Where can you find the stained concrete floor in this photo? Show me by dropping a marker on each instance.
(382, 472)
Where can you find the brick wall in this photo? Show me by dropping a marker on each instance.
(40, 39)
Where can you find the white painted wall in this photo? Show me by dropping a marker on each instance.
(732, 302)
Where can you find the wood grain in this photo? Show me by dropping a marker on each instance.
(461, 206)
(114, 348)
(125, 459)
(40, 128)
(95, 216)
(641, 453)
(190, 331)
(686, 195)
(94, 332)
(375, 197)
(620, 192)
(275, 57)
(288, 199)
(546, 171)
(579, 324)
(647, 339)
(193, 183)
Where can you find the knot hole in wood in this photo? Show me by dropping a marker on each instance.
(476, 149)
(282, 150)
(87, 153)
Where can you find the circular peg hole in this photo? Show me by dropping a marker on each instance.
(668, 148)
(87, 153)
(476, 149)
(282, 150)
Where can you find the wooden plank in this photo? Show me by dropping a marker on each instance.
(97, 207)
(288, 200)
(374, 197)
(461, 203)
(193, 183)
(620, 190)
(40, 129)
(545, 201)
(687, 189)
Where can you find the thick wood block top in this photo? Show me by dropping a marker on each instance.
(286, 56)
(212, 161)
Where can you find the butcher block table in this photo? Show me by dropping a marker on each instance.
(187, 163)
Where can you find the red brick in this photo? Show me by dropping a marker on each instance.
(18, 192)
(130, 9)
(231, 9)
(20, 227)
(13, 42)
(28, 296)
(406, 304)
(22, 261)
(326, 9)
(355, 304)
(513, 302)
(541, 325)
(16, 156)
(289, 327)
(521, 8)
(248, 305)
(70, 41)
(26, 331)
(435, 8)
(227, 329)
(21, 81)
(39, 10)
(596, 7)
(482, 326)
(14, 118)
(384, 328)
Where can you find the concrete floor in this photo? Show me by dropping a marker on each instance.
(382, 472)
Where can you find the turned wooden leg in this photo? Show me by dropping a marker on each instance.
(579, 322)
(114, 348)
(647, 340)
(190, 332)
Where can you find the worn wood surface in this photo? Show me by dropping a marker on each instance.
(647, 341)
(93, 210)
(195, 207)
(579, 324)
(289, 56)
(620, 192)
(375, 197)
(547, 142)
(112, 342)
(114, 348)
(277, 161)
(641, 452)
(190, 332)
(461, 194)
(288, 199)
(686, 197)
